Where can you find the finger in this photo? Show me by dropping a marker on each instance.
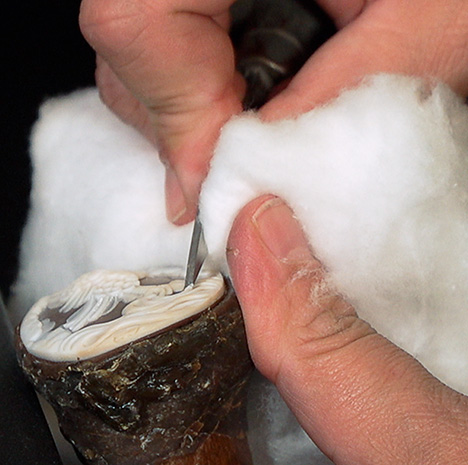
(124, 104)
(343, 11)
(177, 60)
(121, 101)
(420, 38)
(361, 398)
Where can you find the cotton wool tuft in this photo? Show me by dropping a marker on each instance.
(378, 178)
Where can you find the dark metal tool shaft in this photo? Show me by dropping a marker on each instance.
(197, 253)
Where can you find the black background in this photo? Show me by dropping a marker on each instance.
(42, 54)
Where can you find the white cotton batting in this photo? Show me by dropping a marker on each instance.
(378, 178)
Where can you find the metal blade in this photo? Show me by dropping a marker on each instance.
(197, 253)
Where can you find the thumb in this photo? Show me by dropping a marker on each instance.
(358, 396)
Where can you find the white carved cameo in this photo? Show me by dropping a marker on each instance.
(103, 310)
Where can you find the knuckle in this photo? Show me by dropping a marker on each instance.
(327, 323)
(331, 331)
(112, 23)
(98, 20)
(95, 13)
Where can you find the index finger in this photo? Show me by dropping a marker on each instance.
(419, 38)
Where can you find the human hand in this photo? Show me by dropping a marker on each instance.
(359, 397)
(423, 38)
(167, 67)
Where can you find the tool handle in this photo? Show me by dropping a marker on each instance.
(273, 39)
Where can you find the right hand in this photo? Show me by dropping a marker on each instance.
(167, 67)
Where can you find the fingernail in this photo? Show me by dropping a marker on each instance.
(176, 206)
(281, 232)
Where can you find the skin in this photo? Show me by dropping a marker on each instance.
(167, 67)
(362, 399)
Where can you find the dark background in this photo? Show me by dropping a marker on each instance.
(42, 54)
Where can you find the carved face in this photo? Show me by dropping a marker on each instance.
(103, 310)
